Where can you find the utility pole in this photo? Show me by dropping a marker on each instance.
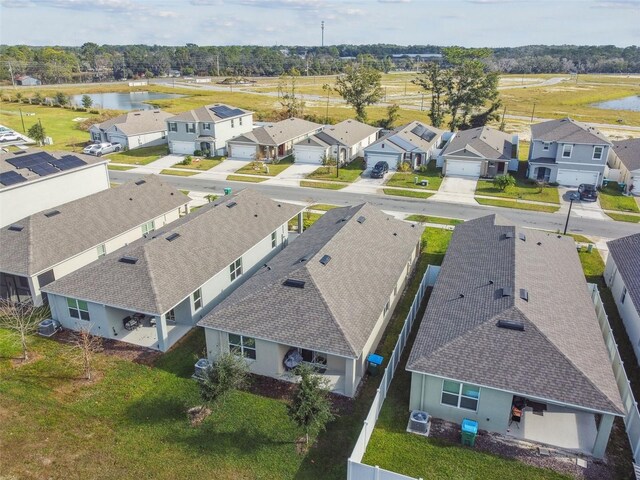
(13, 81)
(217, 64)
(422, 103)
(322, 27)
(24, 130)
(533, 111)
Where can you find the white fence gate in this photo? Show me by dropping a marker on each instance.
(355, 469)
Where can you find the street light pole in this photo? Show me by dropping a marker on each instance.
(572, 197)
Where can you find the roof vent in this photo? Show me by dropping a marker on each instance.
(16, 228)
(361, 219)
(141, 182)
(511, 325)
(172, 237)
(231, 204)
(52, 213)
(461, 295)
(508, 235)
(290, 282)
(395, 234)
(325, 259)
(539, 243)
(524, 294)
(522, 237)
(129, 260)
(507, 291)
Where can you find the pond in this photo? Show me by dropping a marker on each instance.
(124, 101)
(631, 104)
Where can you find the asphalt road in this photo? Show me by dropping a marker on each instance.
(531, 219)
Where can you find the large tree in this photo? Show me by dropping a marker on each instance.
(292, 105)
(360, 87)
(431, 80)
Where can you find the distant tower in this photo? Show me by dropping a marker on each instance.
(322, 27)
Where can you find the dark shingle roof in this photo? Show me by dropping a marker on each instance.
(206, 114)
(484, 142)
(84, 223)
(168, 271)
(279, 132)
(560, 355)
(341, 302)
(626, 253)
(414, 136)
(568, 130)
(628, 151)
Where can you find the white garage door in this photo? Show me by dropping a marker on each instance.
(243, 152)
(573, 178)
(463, 168)
(392, 160)
(635, 181)
(182, 148)
(308, 155)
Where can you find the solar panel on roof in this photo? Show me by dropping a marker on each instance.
(74, 160)
(223, 111)
(67, 162)
(11, 178)
(28, 161)
(43, 169)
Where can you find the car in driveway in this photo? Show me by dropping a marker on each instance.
(588, 192)
(90, 149)
(104, 148)
(379, 169)
(9, 136)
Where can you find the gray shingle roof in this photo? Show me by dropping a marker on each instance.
(137, 123)
(560, 356)
(414, 136)
(628, 151)
(205, 114)
(341, 301)
(349, 132)
(169, 271)
(279, 132)
(568, 130)
(484, 142)
(83, 224)
(626, 253)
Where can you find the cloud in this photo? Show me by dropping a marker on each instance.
(111, 6)
(284, 4)
(394, 1)
(617, 4)
(199, 3)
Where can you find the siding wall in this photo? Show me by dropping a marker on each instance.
(221, 131)
(138, 141)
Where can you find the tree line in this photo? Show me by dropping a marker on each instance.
(92, 62)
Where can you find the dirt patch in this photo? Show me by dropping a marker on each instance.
(21, 362)
(197, 415)
(302, 447)
(527, 453)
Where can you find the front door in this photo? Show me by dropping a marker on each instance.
(418, 159)
(281, 150)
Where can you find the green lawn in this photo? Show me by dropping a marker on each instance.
(407, 180)
(621, 217)
(260, 168)
(430, 219)
(245, 178)
(580, 238)
(177, 173)
(309, 218)
(326, 185)
(611, 198)
(347, 173)
(407, 193)
(139, 156)
(523, 190)
(325, 207)
(119, 167)
(518, 205)
(203, 164)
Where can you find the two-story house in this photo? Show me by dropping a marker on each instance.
(144, 128)
(567, 152)
(207, 129)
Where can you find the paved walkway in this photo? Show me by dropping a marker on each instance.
(457, 190)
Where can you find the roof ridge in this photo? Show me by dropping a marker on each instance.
(152, 280)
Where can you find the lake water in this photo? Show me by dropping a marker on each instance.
(627, 103)
(124, 101)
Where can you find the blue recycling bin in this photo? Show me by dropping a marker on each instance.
(374, 364)
(227, 191)
(469, 432)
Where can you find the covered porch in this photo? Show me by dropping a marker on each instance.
(496, 167)
(15, 288)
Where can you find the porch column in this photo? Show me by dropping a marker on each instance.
(602, 438)
(349, 377)
(161, 328)
(300, 222)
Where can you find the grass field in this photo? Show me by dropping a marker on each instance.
(139, 156)
(177, 173)
(621, 217)
(348, 173)
(325, 185)
(611, 198)
(518, 205)
(122, 168)
(430, 219)
(260, 168)
(203, 164)
(407, 193)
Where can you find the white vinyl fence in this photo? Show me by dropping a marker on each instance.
(632, 416)
(355, 469)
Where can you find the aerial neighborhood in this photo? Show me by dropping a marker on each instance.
(323, 263)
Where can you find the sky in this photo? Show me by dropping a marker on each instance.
(470, 23)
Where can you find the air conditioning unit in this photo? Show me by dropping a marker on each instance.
(201, 365)
(48, 327)
(419, 423)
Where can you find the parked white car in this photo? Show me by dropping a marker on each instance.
(104, 148)
(90, 149)
(9, 137)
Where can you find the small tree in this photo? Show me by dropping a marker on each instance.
(403, 166)
(37, 133)
(61, 99)
(37, 98)
(21, 318)
(87, 102)
(360, 87)
(187, 160)
(504, 181)
(229, 372)
(393, 113)
(310, 407)
(86, 345)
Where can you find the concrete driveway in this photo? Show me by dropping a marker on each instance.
(457, 190)
(580, 208)
(160, 164)
(292, 175)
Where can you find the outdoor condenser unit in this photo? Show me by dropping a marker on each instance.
(200, 367)
(48, 327)
(419, 422)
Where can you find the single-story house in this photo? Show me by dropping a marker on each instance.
(325, 300)
(344, 141)
(50, 244)
(622, 275)
(36, 180)
(155, 289)
(480, 152)
(625, 156)
(27, 81)
(144, 128)
(510, 339)
(416, 143)
(271, 141)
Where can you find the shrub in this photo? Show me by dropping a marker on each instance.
(197, 153)
(187, 160)
(95, 112)
(404, 166)
(504, 181)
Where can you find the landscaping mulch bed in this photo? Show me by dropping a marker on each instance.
(526, 453)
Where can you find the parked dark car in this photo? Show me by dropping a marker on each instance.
(588, 192)
(379, 169)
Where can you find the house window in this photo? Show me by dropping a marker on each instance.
(624, 295)
(102, 250)
(206, 126)
(274, 239)
(148, 227)
(197, 300)
(191, 127)
(597, 152)
(232, 124)
(240, 121)
(242, 346)
(566, 151)
(235, 269)
(173, 127)
(171, 315)
(545, 146)
(315, 359)
(78, 309)
(460, 395)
